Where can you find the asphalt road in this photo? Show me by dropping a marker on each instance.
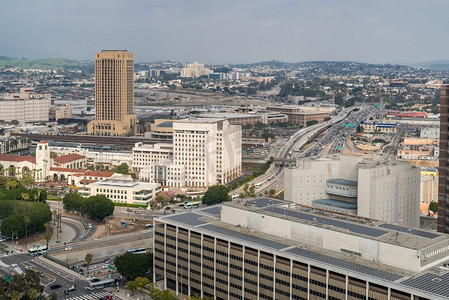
(91, 244)
(51, 276)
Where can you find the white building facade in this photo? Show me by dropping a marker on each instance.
(195, 70)
(25, 106)
(209, 149)
(143, 155)
(165, 173)
(381, 190)
(123, 191)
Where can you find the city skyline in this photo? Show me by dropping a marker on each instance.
(400, 32)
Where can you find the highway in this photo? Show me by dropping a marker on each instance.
(274, 177)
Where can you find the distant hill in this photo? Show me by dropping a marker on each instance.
(44, 64)
(436, 65)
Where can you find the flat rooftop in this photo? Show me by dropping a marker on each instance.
(199, 120)
(343, 181)
(124, 183)
(433, 282)
(230, 115)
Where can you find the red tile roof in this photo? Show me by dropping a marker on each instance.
(17, 158)
(88, 181)
(67, 170)
(68, 158)
(98, 174)
(43, 142)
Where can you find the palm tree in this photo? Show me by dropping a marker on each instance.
(32, 294)
(88, 260)
(25, 196)
(47, 237)
(15, 295)
(54, 216)
(26, 220)
(48, 232)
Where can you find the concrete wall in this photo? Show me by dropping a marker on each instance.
(74, 256)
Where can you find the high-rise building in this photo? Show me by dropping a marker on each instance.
(273, 249)
(443, 196)
(210, 150)
(114, 94)
(376, 189)
(195, 70)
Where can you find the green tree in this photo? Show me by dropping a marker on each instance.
(216, 194)
(88, 260)
(73, 201)
(142, 282)
(311, 122)
(272, 193)
(132, 286)
(122, 169)
(32, 294)
(47, 237)
(133, 265)
(26, 221)
(161, 198)
(25, 197)
(433, 207)
(99, 207)
(338, 100)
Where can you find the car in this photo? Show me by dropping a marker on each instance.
(71, 288)
(109, 261)
(89, 225)
(149, 225)
(89, 288)
(95, 279)
(55, 286)
(40, 274)
(168, 208)
(68, 248)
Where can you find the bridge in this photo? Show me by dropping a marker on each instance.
(289, 162)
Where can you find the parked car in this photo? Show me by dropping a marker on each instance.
(55, 286)
(68, 248)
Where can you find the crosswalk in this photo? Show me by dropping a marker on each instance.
(90, 296)
(12, 254)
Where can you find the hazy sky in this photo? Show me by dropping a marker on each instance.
(229, 31)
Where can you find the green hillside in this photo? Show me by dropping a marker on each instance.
(43, 64)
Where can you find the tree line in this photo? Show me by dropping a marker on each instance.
(22, 218)
(95, 207)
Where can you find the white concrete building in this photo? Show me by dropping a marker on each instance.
(195, 70)
(165, 173)
(381, 190)
(432, 133)
(123, 190)
(210, 150)
(25, 106)
(143, 155)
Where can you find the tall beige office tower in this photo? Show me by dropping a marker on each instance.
(114, 94)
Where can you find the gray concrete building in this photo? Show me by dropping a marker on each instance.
(377, 189)
(272, 249)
